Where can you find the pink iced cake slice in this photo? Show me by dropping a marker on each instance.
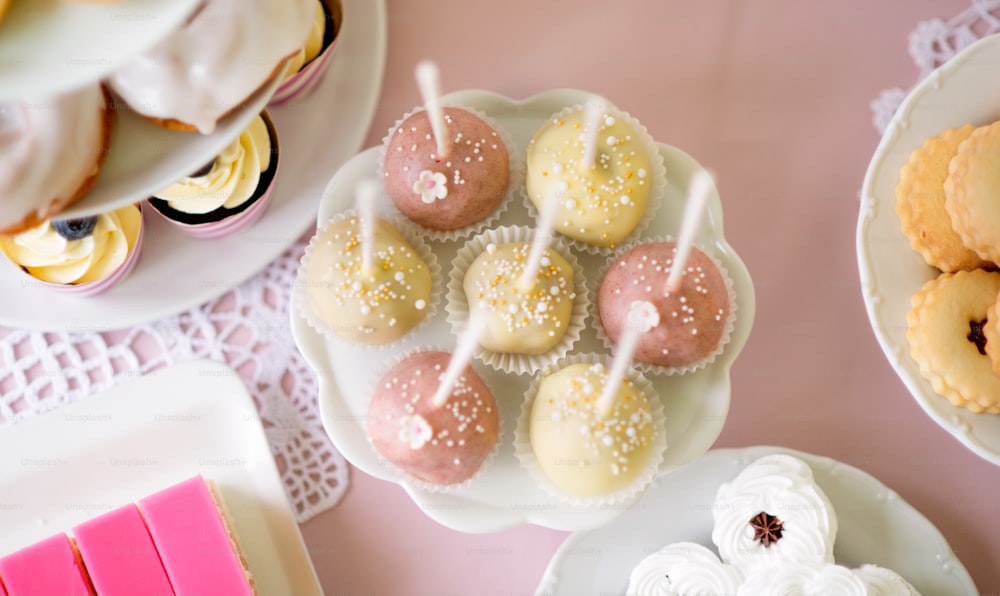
(45, 568)
(194, 541)
(119, 555)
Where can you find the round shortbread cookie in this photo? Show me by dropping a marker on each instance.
(920, 202)
(945, 316)
(971, 191)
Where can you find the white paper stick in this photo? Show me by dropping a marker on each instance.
(642, 316)
(540, 242)
(460, 358)
(429, 82)
(365, 204)
(592, 124)
(698, 192)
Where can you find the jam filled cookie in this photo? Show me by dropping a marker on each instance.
(991, 331)
(945, 331)
(920, 203)
(970, 191)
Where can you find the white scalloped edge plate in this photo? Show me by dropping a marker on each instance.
(965, 90)
(50, 46)
(94, 455)
(317, 134)
(503, 496)
(874, 526)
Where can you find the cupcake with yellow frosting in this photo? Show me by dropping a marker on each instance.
(84, 256)
(229, 193)
(306, 69)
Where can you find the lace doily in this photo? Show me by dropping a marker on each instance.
(245, 328)
(933, 43)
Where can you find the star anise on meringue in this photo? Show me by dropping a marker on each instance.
(766, 528)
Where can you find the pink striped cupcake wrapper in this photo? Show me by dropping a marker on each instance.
(229, 225)
(303, 82)
(92, 288)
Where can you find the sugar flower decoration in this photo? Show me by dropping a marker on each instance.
(643, 315)
(414, 430)
(431, 186)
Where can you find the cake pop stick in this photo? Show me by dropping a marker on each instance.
(592, 124)
(698, 192)
(543, 236)
(460, 358)
(642, 316)
(429, 82)
(364, 200)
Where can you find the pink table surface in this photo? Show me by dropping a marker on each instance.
(773, 96)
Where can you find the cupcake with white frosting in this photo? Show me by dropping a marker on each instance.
(84, 256)
(229, 193)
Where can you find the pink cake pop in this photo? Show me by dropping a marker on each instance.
(445, 167)
(692, 297)
(433, 416)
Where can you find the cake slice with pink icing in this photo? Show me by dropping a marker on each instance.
(194, 542)
(45, 568)
(119, 555)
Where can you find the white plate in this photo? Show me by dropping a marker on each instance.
(49, 46)
(874, 526)
(696, 404)
(176, 272)
(79, 461)
(963, 91)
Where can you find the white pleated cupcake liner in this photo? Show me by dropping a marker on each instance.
(457, 307)
(419, 483)
(529, 462)
(657, 369)
(300, 286)
(657, 193)
(515, 182)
